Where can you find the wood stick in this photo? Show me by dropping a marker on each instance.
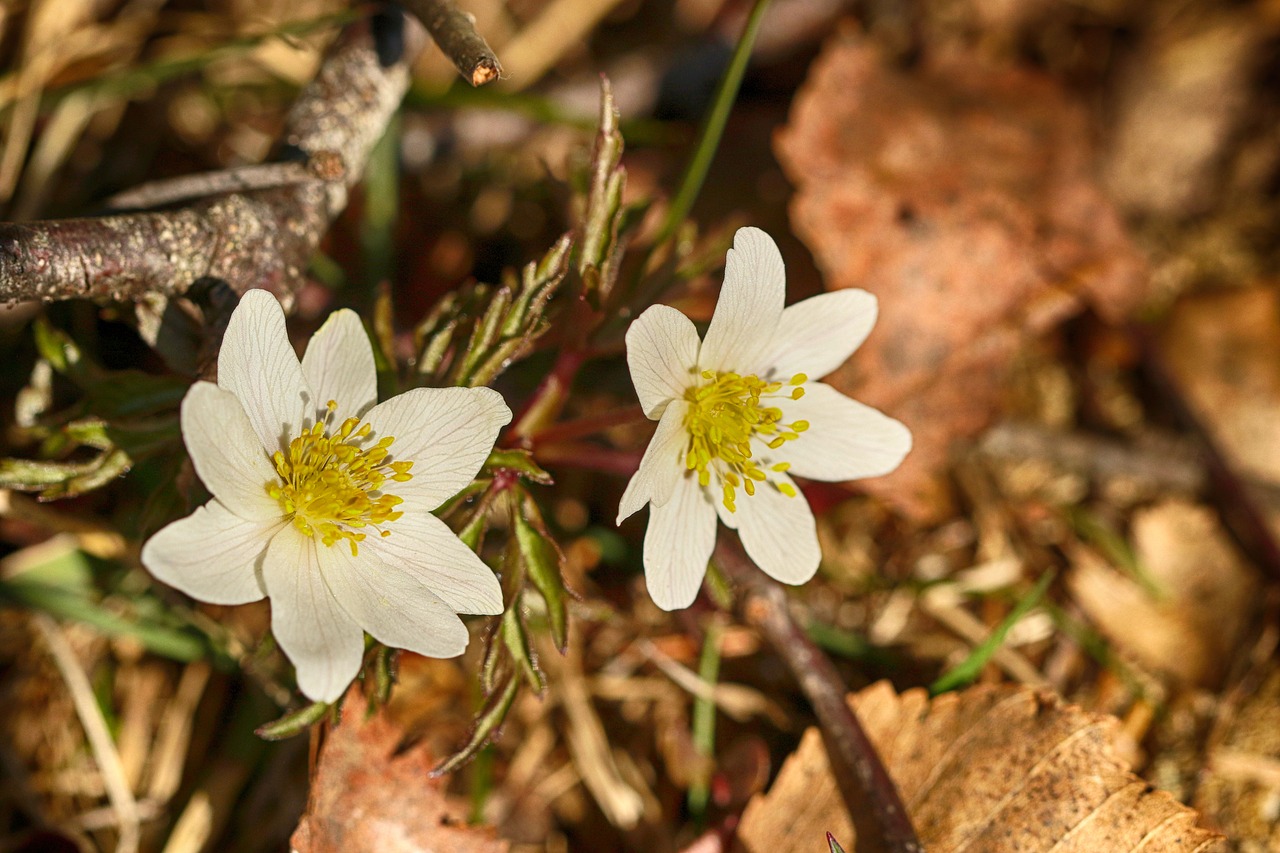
(253, 228)
(454, 32)
(869, 792)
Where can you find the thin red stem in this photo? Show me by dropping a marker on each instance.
(590, 456)
(588, 425)
(546, 401)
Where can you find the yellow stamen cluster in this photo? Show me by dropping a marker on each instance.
(332, 485)
(725, 414)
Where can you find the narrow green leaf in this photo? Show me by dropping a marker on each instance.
(713, 129)
(79, 606)
(491, 716)
(516, 640)
(542, 560)
(29, 475)
(381, 207)
(55, 346)
(519, 461)
(294, 723)
(496, 362)
(384, 676)
(968, 669)
(109, 466)
(599, 247)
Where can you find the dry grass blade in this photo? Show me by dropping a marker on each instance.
(95, 729)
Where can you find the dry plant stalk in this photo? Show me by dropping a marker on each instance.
(866, 787)
(454, 32)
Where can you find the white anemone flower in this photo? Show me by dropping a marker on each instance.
(738, 413)
(322, 500)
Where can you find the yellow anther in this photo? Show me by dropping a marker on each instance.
(787, 489)
(727, 412)
(332, 487)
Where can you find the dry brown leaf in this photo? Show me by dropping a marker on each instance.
(366, 797)
(1240, 789)
(995, 769)
(1204, 595)
(1180, 102)
(1224, 350)
(962, 196)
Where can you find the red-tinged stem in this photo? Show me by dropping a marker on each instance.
(548, 399)
(589, 425)
(593, 457)
(869, 793)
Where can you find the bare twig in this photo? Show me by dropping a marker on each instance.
(869, 792)
(96, 732)
(454, 32)
(250, 228)
(1167, 463)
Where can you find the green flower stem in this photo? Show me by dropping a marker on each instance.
(704, 722)
(713, 128)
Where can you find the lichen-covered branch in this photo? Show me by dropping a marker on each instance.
(259, 236)
(455, 34)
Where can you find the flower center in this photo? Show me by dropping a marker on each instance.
(725, 413)
(332, 484)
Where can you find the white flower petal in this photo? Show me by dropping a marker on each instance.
(338, 365)
(226, 453)
(257, 364)
(391, 604)
(424, 547)
(212, 555)
(749, 307)
(818, 334)
(323, 642)
(779, 532)
(678, 544)
(846, 440)
(447, 432)
(662, 464)
(662, 353)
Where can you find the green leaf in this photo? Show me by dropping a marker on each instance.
(516, 640)
(519, 462)
(967, 670)
(599, 246)
(61, 585)
(542, 561)
(491, 716)
(294, 723)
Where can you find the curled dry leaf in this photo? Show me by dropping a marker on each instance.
(1198, 597)
(367, 796)
(996, 769)
(962, 196)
